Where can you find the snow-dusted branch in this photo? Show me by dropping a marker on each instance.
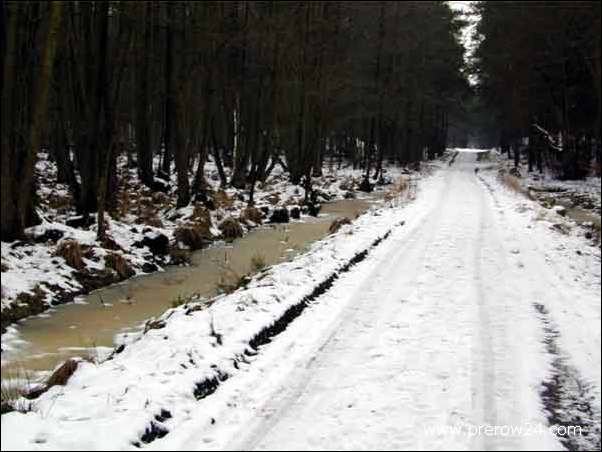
(557, 145)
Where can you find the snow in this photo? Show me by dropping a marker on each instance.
(436, 329)
(546, 183)
(238, 318)
(33, 265)
(470, 150)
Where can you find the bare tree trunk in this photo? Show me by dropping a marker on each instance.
(143, 134)
(18, 190)
(169, 118)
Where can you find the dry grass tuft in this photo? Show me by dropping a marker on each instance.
(202, 222)
(230, 280)
(258, 262)
(251, 214)
(160, 198)
(117, 262)
(181, 300)
(273, 198)
(60, 203)
(179, 256)
(61, 376)
(338, 223)
(124, 202)
(153, 324)
(222, 200)
(201, 214)
(147, 214)
(191, 236)
(13, 392)
(399, 188)
(231, 229)
(153, 221)
(108, 243)
(514, 184)
(72, 252)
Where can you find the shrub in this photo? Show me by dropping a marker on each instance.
(347, 185)
(280, 216)
(4, 267)
(158, 244)
(71, 251)
(295, 212)
(231, 229)
(366, 186)
(514, 171)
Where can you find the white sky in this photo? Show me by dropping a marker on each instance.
(467, 35)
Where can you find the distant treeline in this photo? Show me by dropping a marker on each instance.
(252, 84)
(539, 71)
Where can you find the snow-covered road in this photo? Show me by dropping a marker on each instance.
(474, 325)
(437, 341)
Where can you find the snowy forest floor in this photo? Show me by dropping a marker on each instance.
(471, 307)
(579, 200)
(61, 258)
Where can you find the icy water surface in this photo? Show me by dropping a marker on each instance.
(90, 326)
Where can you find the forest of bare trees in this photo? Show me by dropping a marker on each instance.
(249, 85)
(539, 71)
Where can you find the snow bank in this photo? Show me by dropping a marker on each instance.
(32, 267)
(114, 404)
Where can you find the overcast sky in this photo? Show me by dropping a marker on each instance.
(467, 36)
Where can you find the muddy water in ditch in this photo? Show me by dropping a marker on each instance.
(90, 327)
(582, 216)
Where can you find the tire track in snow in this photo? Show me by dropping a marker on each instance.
(411, 243)
(486, 365)
(289, 395)
(399, 343)
(568, 400)
(440, 242)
